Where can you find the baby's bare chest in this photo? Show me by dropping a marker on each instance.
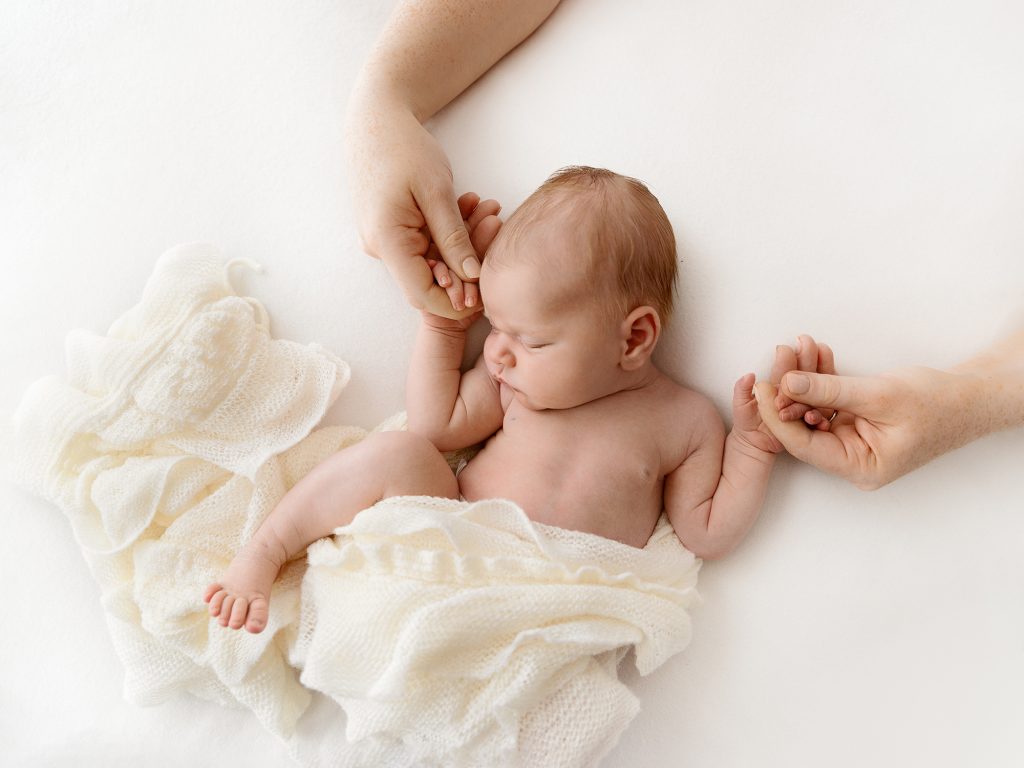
(596, 468)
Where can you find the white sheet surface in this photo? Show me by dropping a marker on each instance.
(852, 170)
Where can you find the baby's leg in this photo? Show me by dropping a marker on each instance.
(382, 465)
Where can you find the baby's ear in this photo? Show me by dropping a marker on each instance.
(640, 332)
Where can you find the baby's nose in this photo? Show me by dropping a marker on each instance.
(501, 353)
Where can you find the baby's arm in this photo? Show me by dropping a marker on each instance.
(450, 408)
(716, 494)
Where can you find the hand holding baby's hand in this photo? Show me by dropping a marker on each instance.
(482, 223)
(808, 356)
(747, 422)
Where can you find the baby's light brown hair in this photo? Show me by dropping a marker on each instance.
(626, 241)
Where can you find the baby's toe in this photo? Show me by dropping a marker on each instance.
(216, 601)
(225, 610)
(259, 612)
(238, 611)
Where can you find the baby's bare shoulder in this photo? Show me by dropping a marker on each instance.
(689, 417)
(685, 404)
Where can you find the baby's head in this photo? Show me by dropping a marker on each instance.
(588, 259)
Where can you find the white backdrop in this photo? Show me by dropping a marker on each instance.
(852, 170)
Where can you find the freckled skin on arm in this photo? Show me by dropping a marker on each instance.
(891, 424)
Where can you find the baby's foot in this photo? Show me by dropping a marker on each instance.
(243, 595)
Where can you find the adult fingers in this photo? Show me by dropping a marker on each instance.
(826, 364)
(448, 231)
(861, 396)
(820, 448)
(806, 353)
(826, 360)
(785, 360)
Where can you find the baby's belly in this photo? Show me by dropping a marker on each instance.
(615, 497)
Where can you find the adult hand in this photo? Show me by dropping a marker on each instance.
(404, 201)
(482, 223)
(888, 425)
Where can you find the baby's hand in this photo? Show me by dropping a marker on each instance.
(808, 356)
(746, 420)
(482, 223)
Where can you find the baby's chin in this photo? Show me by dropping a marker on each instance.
(541, 403)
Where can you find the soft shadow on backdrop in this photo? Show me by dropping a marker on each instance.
(850, 170)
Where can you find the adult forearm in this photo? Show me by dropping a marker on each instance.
(993, 383)
(432, 50)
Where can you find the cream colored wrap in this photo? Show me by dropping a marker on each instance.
(450, 633)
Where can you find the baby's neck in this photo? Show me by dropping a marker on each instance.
(641, 378)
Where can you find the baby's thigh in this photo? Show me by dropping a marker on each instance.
(412, 466)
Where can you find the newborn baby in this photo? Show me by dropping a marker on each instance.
(582, 430)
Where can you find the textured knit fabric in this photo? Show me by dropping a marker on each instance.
(450, 633)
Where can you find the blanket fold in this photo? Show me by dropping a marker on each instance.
(426, 632)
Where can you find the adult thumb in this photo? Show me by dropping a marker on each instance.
(449, 233)
(822, 390)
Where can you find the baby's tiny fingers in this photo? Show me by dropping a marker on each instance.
(441, 273)
(481, 212)
(819, 418)
(467, 202)
(456, 292)
(794, 412)
(472, 294)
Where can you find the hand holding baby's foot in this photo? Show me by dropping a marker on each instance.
(808, 356)
(242, 596)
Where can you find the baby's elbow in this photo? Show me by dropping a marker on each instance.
(430, 431)
(711, 548)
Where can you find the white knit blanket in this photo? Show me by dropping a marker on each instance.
(427, 632)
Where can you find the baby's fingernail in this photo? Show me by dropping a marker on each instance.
(797, 383)
(757, 397)
(471, 301)
(445, 281)
(471, 267)
(799, 345)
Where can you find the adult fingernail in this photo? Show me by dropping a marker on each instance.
(797, 383)
(471, 267)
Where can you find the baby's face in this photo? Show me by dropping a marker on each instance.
(550, 341)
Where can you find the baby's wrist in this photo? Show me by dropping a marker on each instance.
(441, 324)
(755, 445)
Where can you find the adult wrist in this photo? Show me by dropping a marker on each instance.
(995, 380)
(376, 94)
